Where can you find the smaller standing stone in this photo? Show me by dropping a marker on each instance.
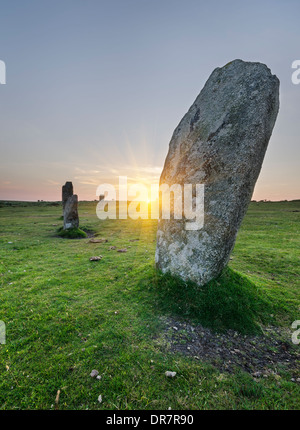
(71, 219)
(67, 191)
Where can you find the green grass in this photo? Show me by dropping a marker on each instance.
(66, 315)
(230, 302)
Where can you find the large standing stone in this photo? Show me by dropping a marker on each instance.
(67, 191)
(221, 143)
(71, 219)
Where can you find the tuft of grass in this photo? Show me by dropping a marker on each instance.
(71, 233)
(248, 387)
(229, 302)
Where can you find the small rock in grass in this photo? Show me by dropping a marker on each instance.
(112, 247)
(97, 258)
(94, 373)
(122, 250)
(100, 399)
(98, 240)
(170, 374)
(98, 377)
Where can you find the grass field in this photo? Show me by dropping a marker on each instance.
(66, 315)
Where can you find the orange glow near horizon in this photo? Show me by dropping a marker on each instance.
(24, 186)
(87, 192)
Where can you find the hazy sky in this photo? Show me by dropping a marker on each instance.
(95, 88)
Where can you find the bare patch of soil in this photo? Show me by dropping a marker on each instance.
(262, 355)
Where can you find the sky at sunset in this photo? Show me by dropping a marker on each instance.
(95, 88)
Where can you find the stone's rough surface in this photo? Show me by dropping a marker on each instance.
(221, 143)
(67, 191)
(71, 219)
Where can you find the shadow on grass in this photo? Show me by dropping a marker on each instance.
(229, 302)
